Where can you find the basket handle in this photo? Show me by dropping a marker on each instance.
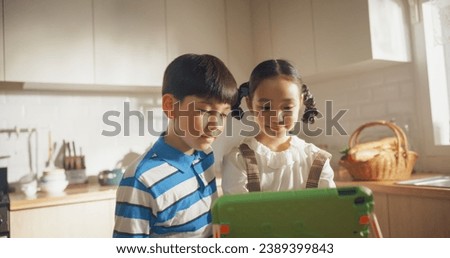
(402, 141)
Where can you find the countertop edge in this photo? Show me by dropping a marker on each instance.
(390, 187)
(72, 195)
(94, 192)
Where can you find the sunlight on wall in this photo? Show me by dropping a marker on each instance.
(436, 17)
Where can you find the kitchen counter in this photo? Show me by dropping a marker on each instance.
(73, 194)
(390, 187)
(83, 210)
(407, 210)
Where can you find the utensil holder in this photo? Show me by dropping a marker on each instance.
(75, 169)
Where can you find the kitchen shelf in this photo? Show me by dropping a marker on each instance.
(64, 87)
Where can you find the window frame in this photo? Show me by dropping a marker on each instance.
(423, 90)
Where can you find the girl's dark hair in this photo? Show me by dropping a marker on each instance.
(273, 68)
(204, 76)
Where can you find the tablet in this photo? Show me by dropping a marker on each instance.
(329, 213)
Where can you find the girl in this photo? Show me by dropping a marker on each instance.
(273, 160)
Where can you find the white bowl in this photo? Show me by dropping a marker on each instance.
(28, 185)
(54, 187)
(53, 174)
(29, 189)
(53, 177)
(54, 170)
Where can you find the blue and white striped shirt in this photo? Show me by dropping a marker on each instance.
(166, 193)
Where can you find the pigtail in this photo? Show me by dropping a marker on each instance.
(310, 106)
(237, 111)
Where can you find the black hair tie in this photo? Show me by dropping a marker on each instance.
(236, 110)
(310, 106)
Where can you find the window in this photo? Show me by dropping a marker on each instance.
(436, 22)
(430, 27)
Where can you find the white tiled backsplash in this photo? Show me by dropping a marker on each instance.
(387, 93)
(383, 94)
(72, 116)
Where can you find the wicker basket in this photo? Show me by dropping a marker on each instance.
(392, 161)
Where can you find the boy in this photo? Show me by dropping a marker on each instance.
(169, 190)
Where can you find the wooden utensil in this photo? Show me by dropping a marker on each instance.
(83, 165)
(50, 148)
(66, 161)
(77, 159)
(70, 158)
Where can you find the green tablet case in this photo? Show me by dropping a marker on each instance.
(329, 213)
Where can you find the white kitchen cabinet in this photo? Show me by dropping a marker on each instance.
(2, 60)
(85, 219)
(239, 38)
(261, 28)
(196, 26)
(324, 38)
(130, 42)
(216, 27)
(356, 33)
(284, 29)
(48, 41)
(292, 33)
(59, 43)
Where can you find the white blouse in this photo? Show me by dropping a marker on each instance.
(278, 171)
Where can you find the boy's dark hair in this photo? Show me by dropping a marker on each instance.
(273, 68)
(204, 76)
